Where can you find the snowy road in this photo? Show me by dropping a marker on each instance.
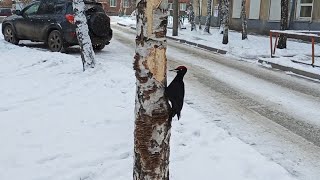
(250, 102)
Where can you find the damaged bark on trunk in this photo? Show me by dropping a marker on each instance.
(152, 121)
(87, 53)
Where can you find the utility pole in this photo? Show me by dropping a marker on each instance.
(175, 18)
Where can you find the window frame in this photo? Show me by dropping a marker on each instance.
(113, 5)
(180, 6)
(29, 7)
(170, 6)
(299, 5)
(126, 4)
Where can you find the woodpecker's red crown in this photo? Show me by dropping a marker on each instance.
(181, 68)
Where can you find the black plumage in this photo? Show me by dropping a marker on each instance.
(175, 91)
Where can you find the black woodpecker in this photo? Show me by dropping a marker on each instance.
(175, 91)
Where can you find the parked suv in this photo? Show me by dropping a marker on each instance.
(52, 22)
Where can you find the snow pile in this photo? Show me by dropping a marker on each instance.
(256, 46)
(58, 122)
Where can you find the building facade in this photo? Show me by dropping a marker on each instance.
(118, 7)
(264, 15)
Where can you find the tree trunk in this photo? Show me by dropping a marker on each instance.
(244, 20)
(175, 23)
(200, 13)
(120, 13)
(208, 19)
(282, 43)
(225, 12)
(87, 53)
(193, 25)
(152, 121)
(220, 16)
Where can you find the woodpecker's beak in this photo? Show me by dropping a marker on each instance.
(174, 70)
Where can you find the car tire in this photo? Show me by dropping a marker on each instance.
(10, 35)
(55, 41)
(98, 47)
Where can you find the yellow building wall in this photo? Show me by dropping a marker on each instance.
(316, 10)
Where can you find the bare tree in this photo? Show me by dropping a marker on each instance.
(244, 20)
(152, 110)
(175, 23)
(200, 13)
(282, 43)
(87, 53)
(208, 19)
(225, 13)
(193, 25)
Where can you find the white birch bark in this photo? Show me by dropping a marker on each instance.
(208, 18)
(193, 25)
(152, 118)
(87, 53)
(244, 20)
(225, 12)
(200, 13)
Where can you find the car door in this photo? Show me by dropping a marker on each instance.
(43, 19)
(24, 25)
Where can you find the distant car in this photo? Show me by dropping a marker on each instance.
(52, 22)
(5, 12)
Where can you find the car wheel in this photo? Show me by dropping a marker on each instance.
(98, 47)
(55, 41)
(10, 35)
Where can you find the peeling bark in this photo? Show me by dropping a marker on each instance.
(152, 121)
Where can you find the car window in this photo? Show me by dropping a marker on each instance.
(59, 8)
(32, 9)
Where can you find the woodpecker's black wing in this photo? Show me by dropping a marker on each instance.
(175, 93)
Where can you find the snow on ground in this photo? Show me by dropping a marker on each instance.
(256, 46)
(58, 122)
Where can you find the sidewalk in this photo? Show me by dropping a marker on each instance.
(255, 49)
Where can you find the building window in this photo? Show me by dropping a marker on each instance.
(126, 3)
(254, 11)
(275, 10)
(236, 11)
(304, 9)
(170, 6)
(113, 3)
(183, 6)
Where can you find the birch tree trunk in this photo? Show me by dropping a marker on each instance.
(200, 13)
(225, 12)
(208, 19)
(244, 20)
(87, 53)
(282, 43)
(193, 25)
(220, 16)
(152, 121)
